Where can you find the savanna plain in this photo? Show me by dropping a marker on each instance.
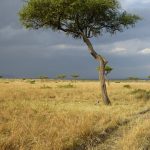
(70, 115)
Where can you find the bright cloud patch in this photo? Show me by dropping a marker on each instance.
(10, 32)
(145, 51)
(67, 46)
(134, 3)
(119, 50)
(146, 1)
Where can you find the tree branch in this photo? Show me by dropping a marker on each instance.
(98, 57)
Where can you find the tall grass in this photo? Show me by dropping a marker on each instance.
(57, 118)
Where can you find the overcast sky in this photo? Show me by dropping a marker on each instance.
(26, 53)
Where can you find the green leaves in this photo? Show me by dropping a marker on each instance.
(108, 69)
(75, 76)
(91, 17)
(61, 76)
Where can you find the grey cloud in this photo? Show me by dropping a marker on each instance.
(34, 53)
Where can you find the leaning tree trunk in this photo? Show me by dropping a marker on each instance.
(103, 63)
(103, 83)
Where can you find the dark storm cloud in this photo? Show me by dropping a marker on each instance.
(35, 53)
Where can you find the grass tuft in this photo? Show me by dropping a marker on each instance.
(127, 86)
(141, 94)
(66, 86)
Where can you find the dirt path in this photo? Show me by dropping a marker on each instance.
(108, 139)
(111, 141)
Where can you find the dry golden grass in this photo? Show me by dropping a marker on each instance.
(53, 115)
(137, 137)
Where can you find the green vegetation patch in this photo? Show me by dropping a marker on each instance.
(45, 87)
(32, 81)
(141, 94)
(127, 86)
(66, 86)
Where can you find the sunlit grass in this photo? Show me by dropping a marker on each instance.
(52, 115)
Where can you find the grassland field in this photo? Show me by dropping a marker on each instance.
(70, 115)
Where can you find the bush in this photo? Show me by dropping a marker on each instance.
(46, 87)
(32, 81)
(141, 94)
(136, 91)
(6, 82)
(133, 78)
(66, 86)
(127, 86)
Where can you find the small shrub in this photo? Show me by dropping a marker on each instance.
(46, 87)
(66, 86)
(138, 91)
(52, 97)
(133, 78)
(141, 94)
(127, 86)
(6, 82)
(32, 81)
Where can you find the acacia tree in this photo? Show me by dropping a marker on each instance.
(61, 76)
(44, 78)
(75, 76)
(133, 78)
(82, 19)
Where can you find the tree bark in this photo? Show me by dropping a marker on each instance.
(103, 83)
(102, 63)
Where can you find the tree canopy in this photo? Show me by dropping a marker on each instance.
(61, 76)
(77, 17)
(133, 78)
(75, 76)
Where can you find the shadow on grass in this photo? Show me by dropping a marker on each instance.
(141, 94)
(95, 138)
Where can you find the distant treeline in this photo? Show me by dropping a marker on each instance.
(73, 76)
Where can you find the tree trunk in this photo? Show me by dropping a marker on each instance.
(103, 63)
(103, 83)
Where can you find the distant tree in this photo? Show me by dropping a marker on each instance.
(82, 19)
(1, 76)
(149, 77)
(43, 78)
(133, 78)
(75, 76)
(61, 76)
